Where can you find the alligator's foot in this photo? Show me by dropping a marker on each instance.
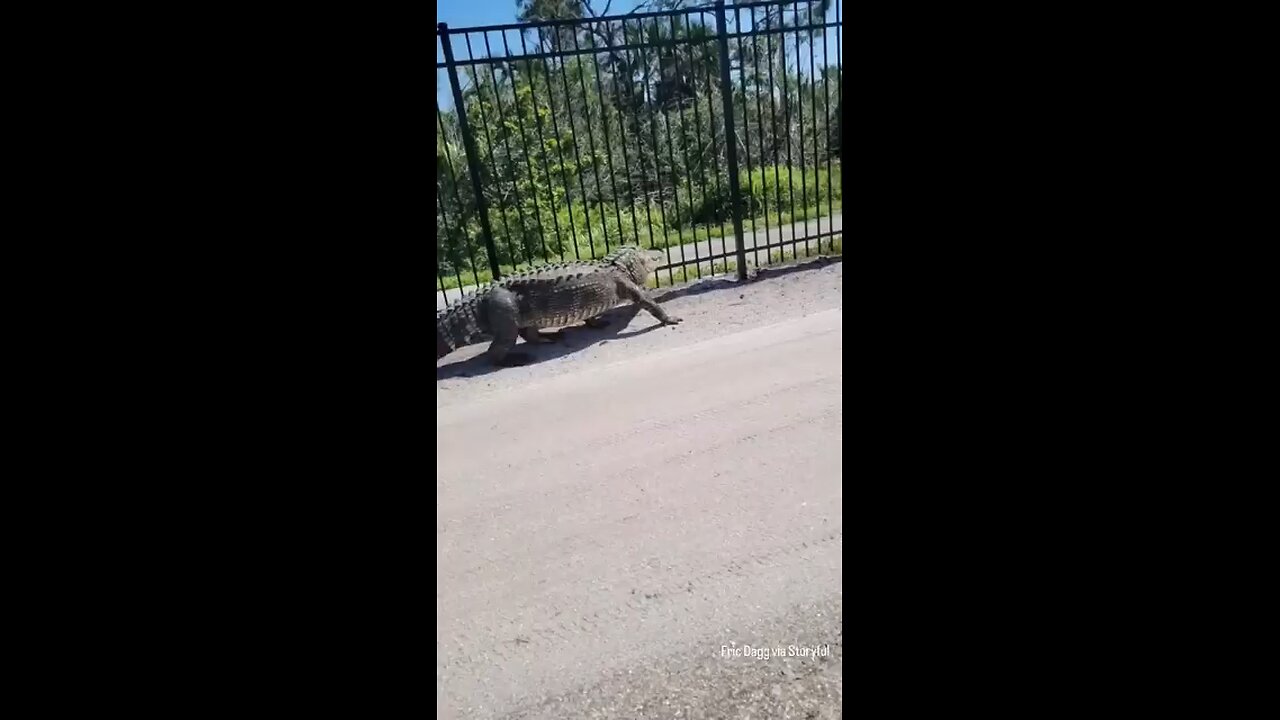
(596, 322)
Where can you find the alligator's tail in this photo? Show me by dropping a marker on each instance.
(458, 326)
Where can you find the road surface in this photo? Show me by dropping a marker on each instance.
(704, 248)
(629, 526)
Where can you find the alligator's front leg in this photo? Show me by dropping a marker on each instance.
(637, 294)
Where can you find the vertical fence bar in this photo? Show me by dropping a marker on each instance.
(506, 145)
(826, 104)
(577, 158)
(697, 129)
(528, 159)
(786, 111)
(644, 97)
(564, 173)
(469, 144)
(840, 83)
(542, 150)
(840, 102)
(457, 198)
(764, 175)
(618, 64)
(746, 130)
(488, 139)
(715, 158)
(804, 190)
(591, 145)
(773, 117)
(608, 146)
(444, 219)
(657, 154)
(671, 155)
(813, 124)
(444, 291)
(684, 149)
(731, 142)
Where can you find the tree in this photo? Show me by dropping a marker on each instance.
(552, 39)
(617, 126)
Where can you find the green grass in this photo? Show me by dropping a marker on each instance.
(836, 247)
(704, 232)
(832, 245)
(699, 233)
(763, 191)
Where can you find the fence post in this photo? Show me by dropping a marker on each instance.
(469, 143)
(731, 138)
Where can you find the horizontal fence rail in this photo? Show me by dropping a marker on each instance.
(710, 132)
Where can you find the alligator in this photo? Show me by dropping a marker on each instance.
(547, 296)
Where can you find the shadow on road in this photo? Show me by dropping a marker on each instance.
(763, 273)
(575, 338)
(579, 337)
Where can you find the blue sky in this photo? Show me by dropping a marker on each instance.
(469, 13)
(466, 13)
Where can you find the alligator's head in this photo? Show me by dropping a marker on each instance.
(638, 262)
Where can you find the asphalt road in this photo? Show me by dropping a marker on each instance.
(632, 530)
(717, 246)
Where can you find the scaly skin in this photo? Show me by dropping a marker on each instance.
(547, 296)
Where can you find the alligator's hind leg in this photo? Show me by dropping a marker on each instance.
(534, 337)
(503, 314)
(598, 321)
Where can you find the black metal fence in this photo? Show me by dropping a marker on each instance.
(712, 132)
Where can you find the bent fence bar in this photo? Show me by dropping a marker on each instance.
(711, 132)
